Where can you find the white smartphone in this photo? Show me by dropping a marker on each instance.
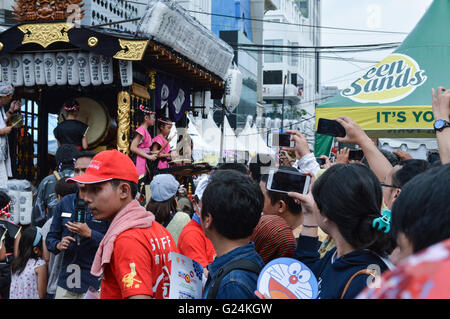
(285, 181)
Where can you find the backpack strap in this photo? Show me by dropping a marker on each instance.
(360, 272)
(58, 177)
(243, 264)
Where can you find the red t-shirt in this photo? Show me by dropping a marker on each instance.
(193, 243)
(139, 264)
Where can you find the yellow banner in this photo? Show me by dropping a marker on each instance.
(382, 117)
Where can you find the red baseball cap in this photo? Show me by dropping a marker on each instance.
(106, 166)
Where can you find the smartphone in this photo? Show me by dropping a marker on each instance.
(356, 155)
(280, 140)
(284, 181)
(330, 128)
(321, 161)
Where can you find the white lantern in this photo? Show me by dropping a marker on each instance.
(94, 68)
(50, 68)
(83, 68)
(5, 64)
(72, 68)
(107, 69)
(233, 89)
(14, 209)
(26, 207)
(61, 68)
(39, 72)
(17, 72)
(126, 72)
(28, 69)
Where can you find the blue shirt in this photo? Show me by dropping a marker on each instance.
(77, 258)
(237, 284)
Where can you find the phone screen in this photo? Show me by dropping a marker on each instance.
(285, 181)
(281, 139)
(356, 155)
(330, 128)
(321, 161)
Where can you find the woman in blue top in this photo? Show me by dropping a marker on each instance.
(344, 202)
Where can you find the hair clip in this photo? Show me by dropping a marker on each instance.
(384, 221)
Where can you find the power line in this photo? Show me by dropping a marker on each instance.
(298, 24)
(356, 46)
(285, 23)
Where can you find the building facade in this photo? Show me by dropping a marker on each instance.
(290, 74)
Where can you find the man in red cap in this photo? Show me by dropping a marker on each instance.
(133, 257)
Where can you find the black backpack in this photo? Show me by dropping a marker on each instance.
(244, 264)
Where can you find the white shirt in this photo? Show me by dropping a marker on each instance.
(307, 163)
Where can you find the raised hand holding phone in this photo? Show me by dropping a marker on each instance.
(330, 128)
(354, 133)
(285, 181)
(309, 208)
(301, 147)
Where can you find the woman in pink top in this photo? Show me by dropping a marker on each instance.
(160, 141)
(143, 141)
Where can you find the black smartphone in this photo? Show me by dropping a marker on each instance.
(281, 140)
(330, 128)
(355, 155)
(321, 161)
(284, 181)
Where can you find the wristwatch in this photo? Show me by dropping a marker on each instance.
(439, 125)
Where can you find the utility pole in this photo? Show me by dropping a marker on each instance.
(282, 107)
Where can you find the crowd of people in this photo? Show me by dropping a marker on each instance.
(359, 222)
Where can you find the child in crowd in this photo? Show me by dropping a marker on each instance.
(142, 141)
(160, 142)
(192, 241)
(163, 204)
(29, 270)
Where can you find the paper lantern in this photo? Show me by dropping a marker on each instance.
(107, 69)
(26, 207)
(28, 69)
(17, 72)
(72, 68)
(39, 72)
(50, 68)
(14, 208)
(83, 68)
(61, 68)
(5, 64)
(94, 68)
(233, 89)
(126, 72)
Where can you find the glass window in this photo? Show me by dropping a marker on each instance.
(294, 54)
(273, 77)
(273, 56)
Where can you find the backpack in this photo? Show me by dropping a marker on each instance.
(244, 264)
